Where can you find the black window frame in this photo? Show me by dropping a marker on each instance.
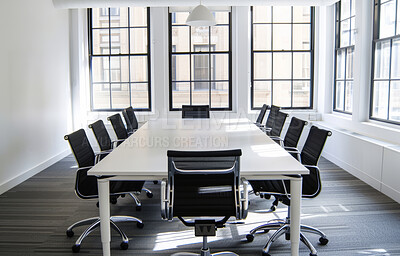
(109, 55)
(346, 49)
(171, 54)
(312, 54)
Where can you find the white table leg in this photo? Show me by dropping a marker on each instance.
(295, 207)
(104, 208)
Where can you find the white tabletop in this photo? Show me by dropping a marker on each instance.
(144, 154)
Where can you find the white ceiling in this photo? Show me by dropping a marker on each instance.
(71, 4)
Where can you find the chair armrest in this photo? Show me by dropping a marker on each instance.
(165, 201)
(311, 166)
(97, 156)
(276, 138)
(244, 198)
(265, 129)
(114, 142)
(294, 151)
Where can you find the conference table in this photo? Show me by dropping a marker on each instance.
(143, 156)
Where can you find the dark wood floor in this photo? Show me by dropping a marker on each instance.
(34, 215)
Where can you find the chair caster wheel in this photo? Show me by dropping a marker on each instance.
(155, 181)
(140, 225)
(250, 237)
(287, 236)
(113, 200)
(138, 208)
(313, 254)
(265, 254)
(261, 196)
(323, 240)
(124, 245)
(70, 233)
(97, 204)
(76, 248)
(273, 208)
(149, 194)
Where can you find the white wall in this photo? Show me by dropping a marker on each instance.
(34, 82)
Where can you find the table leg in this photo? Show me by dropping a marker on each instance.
(295, 207)
(104, 208)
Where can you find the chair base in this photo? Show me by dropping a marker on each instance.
(205, 252)
(95, 223)
(283, 227)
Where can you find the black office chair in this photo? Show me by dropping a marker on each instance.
(130, 119)
(204, 183)
(102, 136)
(261, 115)
(118, 126)
(278, 124)
(292, 135)
(271, 118)
(309, 157)
(195, 111)
(86, 188)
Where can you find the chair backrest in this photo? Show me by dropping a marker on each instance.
(130, 119)
(101, 135)
(293, 132)
(272, 116)
(118, 126)
(195, 111)
(278, 124)
(204, 183)
(262, 114)
(85, 186)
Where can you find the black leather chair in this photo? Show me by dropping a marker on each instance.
(86, 188)
(271, 118)
(102, 136)
(309, 157)
(261, 115)
(278, 124)
(130, 119)
(204, 183)
(195, 111)
(118, 126)
(292, 135)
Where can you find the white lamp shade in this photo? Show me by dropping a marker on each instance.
(201, 16)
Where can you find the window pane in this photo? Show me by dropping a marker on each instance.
(138, 40)
(349, 96)
(262, 14)
(380, 99)
(100, 41)
(301, 37)
(220, 38)
(139, 69)
(100, 18)
(179, 18)
(301, 14)
(394, 111)
(180, 39)
(180, 94)
(138, 16)
(200, 37)
(353, 31)
(349, 64)
(301, 93)
(221, 17)
(219, 67)
(101, 96)
(340, 63)
(200, 67)
(200, 93)
(282, 93)
(387, 19)
(301, 65)
(119, 69)
(345, 33)
(282, 66)
(395, 74)
(100, 69)
(119, 41)
(282, 35)
(398, 18)
(262, 93)
(344, 9)
(282, 14)
(262, 37)
(219, 94)
(262, 65)
(140, 95)
(382, 59)
(120, 96)
(339, 94)
(119, 17)
(353, 8)
(180, 67)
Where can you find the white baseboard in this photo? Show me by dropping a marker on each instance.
(31, 172)
(391, 192)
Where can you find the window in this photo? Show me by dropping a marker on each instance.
(282, 56)
(200, 63)
(345, 36)
(119, 55)
(385, 91)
